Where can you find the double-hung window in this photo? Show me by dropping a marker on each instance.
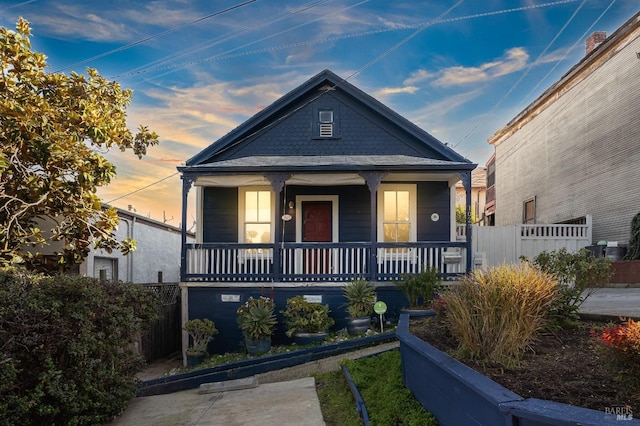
(255, 215)
(397, 213)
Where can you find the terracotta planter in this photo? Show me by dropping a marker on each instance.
(257, 346)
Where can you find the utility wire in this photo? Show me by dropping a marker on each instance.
(582, 37)
(143, 188)
(144, 40)
(205, 60)
(229, 54)
(228, 37)
(367, 65)
(421, 27)
(528, 68)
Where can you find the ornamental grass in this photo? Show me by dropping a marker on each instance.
(496, 313)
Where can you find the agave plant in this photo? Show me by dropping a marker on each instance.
(360, 295)
(256, 318)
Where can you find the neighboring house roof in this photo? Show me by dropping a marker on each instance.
(129, 215)
(478, 178)
(628, 32)
(273, 138)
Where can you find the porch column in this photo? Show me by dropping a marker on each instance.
(187, 182)
(373, 180)
(277, 183)
(466, 182)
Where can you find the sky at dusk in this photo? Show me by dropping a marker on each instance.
(458, 69)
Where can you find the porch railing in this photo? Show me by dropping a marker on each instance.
(291, 262)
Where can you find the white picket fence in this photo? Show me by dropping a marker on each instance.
(495, 245)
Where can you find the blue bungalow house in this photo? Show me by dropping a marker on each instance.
(323, 186)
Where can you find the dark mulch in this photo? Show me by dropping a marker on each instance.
(564, 367)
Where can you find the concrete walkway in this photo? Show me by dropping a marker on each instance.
(289, 403)
(613, 302)
(285, 397)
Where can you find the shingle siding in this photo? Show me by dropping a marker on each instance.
(358, 132)
(580, 155)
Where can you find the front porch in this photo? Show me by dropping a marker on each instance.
(320, 262)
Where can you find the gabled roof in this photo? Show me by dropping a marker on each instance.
(282, 108)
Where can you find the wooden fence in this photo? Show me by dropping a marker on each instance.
(164, 337)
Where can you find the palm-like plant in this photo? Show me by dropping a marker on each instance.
(256, 318)
(360, 295)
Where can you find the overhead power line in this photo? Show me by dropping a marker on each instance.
(144, 40)
(526, 72)
(229, 53)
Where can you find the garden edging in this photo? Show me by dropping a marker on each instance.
(457, 394)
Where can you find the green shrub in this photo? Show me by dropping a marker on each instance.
(66, 353)
(307, 317)
(633, 253)
(420, 289)
(579, 275)
(495, 313)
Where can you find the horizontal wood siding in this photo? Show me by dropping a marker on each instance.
(579, 156)
(433, 197)
(206, 302)
(220, 215)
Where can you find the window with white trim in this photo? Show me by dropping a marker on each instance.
(397, 213)
(255, 215)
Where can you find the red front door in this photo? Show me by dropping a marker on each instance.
(316, 227)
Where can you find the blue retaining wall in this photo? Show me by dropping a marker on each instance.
(458, 395)
(206, 302)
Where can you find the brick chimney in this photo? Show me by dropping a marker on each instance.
(594, 40)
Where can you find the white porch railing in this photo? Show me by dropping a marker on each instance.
(319, 261)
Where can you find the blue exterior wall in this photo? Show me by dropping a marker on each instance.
(434, 197)
(357, 131)
(220, 215)
(206, 302)
(220, 212)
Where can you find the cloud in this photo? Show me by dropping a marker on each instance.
(418, 76)
(394, 91)
(512, 61)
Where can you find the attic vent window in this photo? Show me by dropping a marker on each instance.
(325, 119)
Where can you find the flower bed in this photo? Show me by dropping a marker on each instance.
(457, 394)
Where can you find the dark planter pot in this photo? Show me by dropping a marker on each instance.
(257, 346)
(358, 325)
(303, 339)
(195, 359)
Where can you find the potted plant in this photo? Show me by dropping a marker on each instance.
(201, 333)
(306, 322)
(420, 289)
(256, 319)
(360, 295)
